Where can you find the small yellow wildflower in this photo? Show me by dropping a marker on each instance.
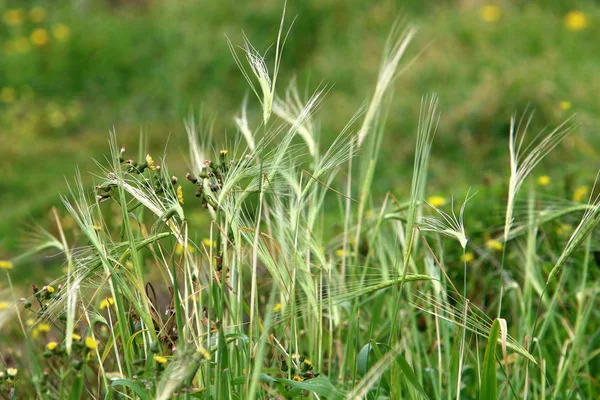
(106, 303)
(97, 228)
(436, 201)
(180, 194)
(4, 305)
(277, 307)
(564, 105)
(490, 13)
(575, 21)
(543, 180)
(50, 289)
(37, 14)
(307, 362)
(160, 359)
(61, 32)
(494, 245)
(150, 162)
(51, 346)
(30, 322)
(179, 249)
(205, 353)
(39, 37)
(467, 257)
(580, 193)
(13, 17)
(90, 343)
(7, 95)
(43, 327)
(297, 378)
(207, 242)
(6, 264)
(12, 372)
(76, 337)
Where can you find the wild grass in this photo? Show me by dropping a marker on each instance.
(304, 283)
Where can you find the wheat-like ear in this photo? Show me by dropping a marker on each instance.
(588, 222)
(397, 42)
(258, 66)
(244, 126)
(448, 225)
(524, 157)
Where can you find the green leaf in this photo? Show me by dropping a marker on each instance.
(489, 390)
(410, 375)
(140, 391)
(319, 385)
(76, 388)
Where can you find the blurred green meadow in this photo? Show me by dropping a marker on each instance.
(72, 71)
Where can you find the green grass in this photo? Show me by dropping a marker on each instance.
(303, 260)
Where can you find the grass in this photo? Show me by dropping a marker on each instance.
(281, 269)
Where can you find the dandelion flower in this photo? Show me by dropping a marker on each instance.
(39, 37)
(580, 193)
(564, 105)
(160, 359)
(12, 372)
(208, 243)
(180, 194)
(179, 249)
(107, 302)
(76, 337)
(150, 162)
(13, 17)
(543, 180)
(43, 327)
(575, 21)
(493, 244)
(90, 343)
(4, 305)
(50, 289)
(467, 257)
(297, 378)
(436, 201)
(340, 253)
(61, 32)
(6, 264)
(490, 13)
(7, 95)
(277, 307)
(37, 14)
(51, 346)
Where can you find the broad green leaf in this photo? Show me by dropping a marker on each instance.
(489, 389)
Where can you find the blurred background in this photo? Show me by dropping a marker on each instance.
(70, 71)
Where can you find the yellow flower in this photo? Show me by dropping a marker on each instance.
(12, 372)
(51, 346)
(97, 228)
(340, 253)
(30, 322)
(565, 105)
(179, 249)
(7, 95)
(39, 37)
(76, 337)
(543, 180)
(297, 378)
(106, 303)
(37, 14)
(436, 201)
(180, 194)
(494, 245)
(160, 359)
(307, 362)
(277, 307)
(580, 193)
(90, 343)
(13, 17)
(4, 305)
(207, 242)
(490, 13)
(6, 264)
(150, 162)
(61, 32)
(205, 353)
(50, 289)
(467, 257)
(575, 21)
(43, 327)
